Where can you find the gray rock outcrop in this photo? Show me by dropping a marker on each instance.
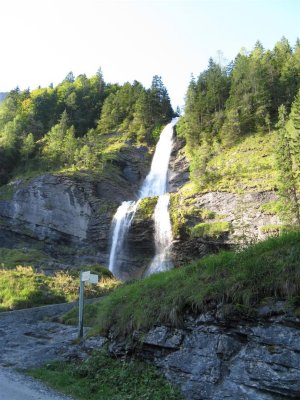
(213, 359)
(71, 215)
(244, 214)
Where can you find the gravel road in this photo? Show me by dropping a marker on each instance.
(29, 338)
(14, 386)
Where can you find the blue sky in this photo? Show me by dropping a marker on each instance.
(42, 40)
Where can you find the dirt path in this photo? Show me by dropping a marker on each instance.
(14, 386)
(28, 338)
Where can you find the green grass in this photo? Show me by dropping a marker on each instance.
(241, 280)
(105, 378)
(247, 166)
(210, 229)
(271, 208)
(273, 229)
(10, 258)
(23, 287)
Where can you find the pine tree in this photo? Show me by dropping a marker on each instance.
(288, 182)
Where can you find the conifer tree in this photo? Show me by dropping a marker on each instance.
(288, 182)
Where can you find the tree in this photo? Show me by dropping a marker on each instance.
(288, 182)
(160, 103)
(231, 130)
(28, 147)
(141, 117)
(54, 141)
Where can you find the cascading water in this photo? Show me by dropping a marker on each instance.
(120, 225)
(155, 184)
(163, 237)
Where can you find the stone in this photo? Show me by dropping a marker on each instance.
(70, 218)
(210, 360)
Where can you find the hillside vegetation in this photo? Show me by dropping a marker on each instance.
(64, 128)
(242, 126)
(238, 281)
(23, 287)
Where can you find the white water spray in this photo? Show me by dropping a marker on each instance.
(163, 237)
(155, 184)
(120, 225)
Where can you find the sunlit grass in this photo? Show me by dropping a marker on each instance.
(23, 287)
(247, 166)
(269, 269)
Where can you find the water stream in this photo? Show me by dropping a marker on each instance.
(155, 184)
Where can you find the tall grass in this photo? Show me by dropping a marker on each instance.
(23, 287)
(241, 279)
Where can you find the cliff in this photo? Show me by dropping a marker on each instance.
(69, 217)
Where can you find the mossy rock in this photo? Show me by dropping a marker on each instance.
(146, 208)
(184, 214)
(212, 230)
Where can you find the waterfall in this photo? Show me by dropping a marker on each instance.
(120, 225)
(163, 237)
(155, 184)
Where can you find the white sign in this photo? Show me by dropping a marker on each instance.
(93, 278)
(85, 276)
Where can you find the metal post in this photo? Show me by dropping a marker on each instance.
(81, 301)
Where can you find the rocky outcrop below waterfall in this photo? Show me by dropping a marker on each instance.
(235, 220)
(214, 356)
(70, 217)
(204, 223)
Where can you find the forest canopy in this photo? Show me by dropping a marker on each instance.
(54, 127)
(225, 103)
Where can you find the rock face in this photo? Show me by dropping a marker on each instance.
(61, 212)
(179, 166)
(213, 359)
(71, 217)
(244, 214)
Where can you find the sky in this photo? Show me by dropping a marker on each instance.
(43, 40)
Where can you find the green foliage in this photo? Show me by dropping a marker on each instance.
(135, 110)
(238, 280)
(247, 166)
(23, 287)
(288, 162)
(61, 128)
(102, 377)
(10, 258)
(224, 104)
(146, 208)
(185, 215)
(273, 229)
(6, 192)
(210, 230)
(271, 208)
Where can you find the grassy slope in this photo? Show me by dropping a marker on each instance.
(22, 287)
(247, 166)
(241, 280)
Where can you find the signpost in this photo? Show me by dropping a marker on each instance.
(85, 276)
